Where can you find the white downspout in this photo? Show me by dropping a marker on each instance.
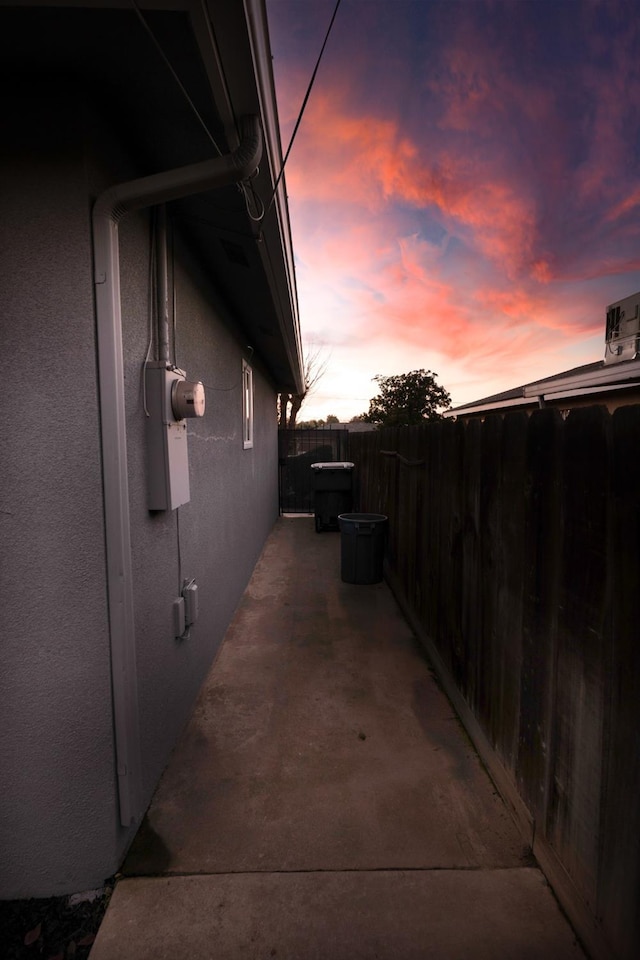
(109, 209)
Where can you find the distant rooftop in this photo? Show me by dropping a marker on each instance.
(590, 379)
(619, 371)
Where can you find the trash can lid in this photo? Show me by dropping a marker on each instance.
(335, 465)
(363, 518)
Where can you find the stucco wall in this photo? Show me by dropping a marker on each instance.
(56, 740)
(58, 804)
(218, 535)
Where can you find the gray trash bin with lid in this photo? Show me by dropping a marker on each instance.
(332, 492)
(362, 543)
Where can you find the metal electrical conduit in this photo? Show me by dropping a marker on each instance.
(108, 210)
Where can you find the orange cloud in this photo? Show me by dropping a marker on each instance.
(364, 162)
(624, 206)
(353, 288)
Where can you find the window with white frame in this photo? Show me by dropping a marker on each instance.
(247, 405)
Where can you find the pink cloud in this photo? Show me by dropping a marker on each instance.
(363, 161)
(407, 297)
(625, 205)
(400, 292)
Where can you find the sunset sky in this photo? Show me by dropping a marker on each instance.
(464, 188)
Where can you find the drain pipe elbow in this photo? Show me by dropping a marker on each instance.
(108, 210)
(222, 171)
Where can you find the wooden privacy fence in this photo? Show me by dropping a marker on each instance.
(514, 547)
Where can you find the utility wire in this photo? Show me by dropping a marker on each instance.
(302, 109)
(158, 47)
(251, 198)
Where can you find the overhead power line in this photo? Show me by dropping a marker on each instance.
(175, 76)
(302, 108)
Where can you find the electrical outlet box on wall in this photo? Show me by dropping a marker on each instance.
(168, 461)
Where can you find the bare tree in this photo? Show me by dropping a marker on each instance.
(289, 403)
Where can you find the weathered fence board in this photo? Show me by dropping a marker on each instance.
(574, 803)
(542, 537)
(620, 823)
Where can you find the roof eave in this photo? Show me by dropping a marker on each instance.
(612, 376)
(247, 85)
(515, 402)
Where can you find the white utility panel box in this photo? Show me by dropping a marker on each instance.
(168, 461)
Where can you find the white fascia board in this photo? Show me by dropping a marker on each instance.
(488, 407)
(590, 391)
(276, 226)
(613, 375)
(549, 396)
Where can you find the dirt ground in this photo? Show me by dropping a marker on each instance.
(54, 928)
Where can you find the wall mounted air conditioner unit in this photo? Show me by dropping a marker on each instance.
(623, 330)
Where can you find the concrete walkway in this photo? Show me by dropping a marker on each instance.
(324, 801)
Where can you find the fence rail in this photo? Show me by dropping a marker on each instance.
(514, 544)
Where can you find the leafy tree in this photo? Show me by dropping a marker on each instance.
(406, 399)
(316, 424)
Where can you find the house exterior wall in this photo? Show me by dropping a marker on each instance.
(58, 807)
(55, 700)
(234, 503)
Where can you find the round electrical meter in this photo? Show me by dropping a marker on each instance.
(187, 399)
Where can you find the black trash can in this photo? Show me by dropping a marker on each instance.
(332, 492)
(362, 542)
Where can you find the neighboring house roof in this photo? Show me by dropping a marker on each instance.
(359, 426)
(589, 380)
(172, 76)
(615, 380)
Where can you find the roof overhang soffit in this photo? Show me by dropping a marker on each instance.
(235, 79)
